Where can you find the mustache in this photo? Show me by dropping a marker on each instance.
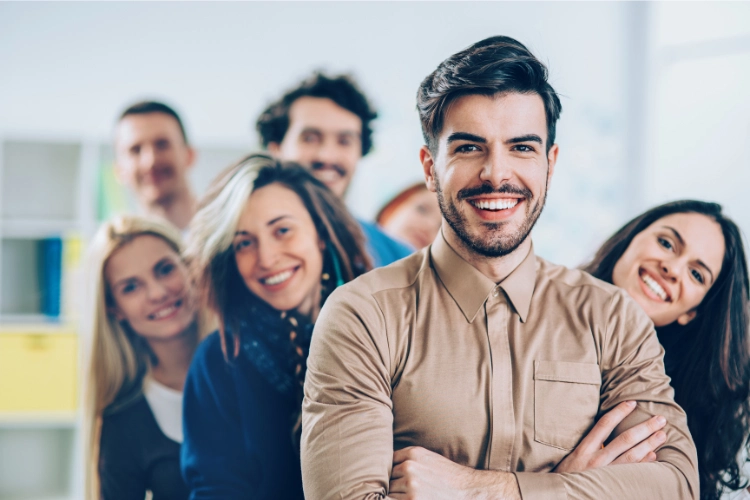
(319, 165)
(487, 189)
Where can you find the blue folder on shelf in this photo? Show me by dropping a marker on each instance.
(50, 275)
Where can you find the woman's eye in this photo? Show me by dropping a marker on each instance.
(166, 269)
(282, 231)
(241, 245)
(130, 287)
(665, 243)
(698, 276)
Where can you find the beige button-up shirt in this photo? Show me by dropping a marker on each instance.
(430, 352)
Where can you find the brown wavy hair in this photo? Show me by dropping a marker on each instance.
(709, 358)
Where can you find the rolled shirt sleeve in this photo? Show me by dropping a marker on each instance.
(347, 438)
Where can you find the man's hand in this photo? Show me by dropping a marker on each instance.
(637, 444)
(421, 474)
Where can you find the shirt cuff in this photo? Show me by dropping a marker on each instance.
(541, 486)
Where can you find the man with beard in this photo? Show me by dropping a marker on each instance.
(152, 158)
(475, 369)
(324, 124)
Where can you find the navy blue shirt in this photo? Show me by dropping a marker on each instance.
(382, 248)
(237, 431)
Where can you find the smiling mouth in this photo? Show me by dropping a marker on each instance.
(278, 278)
(495, 205)
(165, 311)
(654, 286)
(327, 173)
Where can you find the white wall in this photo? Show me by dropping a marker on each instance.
(66, 69)
(699, 126)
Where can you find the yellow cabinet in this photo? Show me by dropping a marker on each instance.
(38, 372)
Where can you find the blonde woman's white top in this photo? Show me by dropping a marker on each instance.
(166, 405)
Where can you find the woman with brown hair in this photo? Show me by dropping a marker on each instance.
(268, 245)
(684, 263)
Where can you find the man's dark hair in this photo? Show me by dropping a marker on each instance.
(495, 65)
(146, 107)
(273, 123)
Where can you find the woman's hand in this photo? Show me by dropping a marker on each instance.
(637, 444)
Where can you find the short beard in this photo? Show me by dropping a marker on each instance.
(490, 245)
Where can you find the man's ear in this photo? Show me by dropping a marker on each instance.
(274, 148)
(120, 175)
(551, 161)
(685, 318)
(428, 166)
(192, 154)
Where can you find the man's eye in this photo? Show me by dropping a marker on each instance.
(698, 276)
(523, 148)
(162, 145)
(467, 148)
(665, 243)
(135, 150)
(310, 138)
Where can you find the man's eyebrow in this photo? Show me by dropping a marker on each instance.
(465, 136)
(315, 130)
(525, 138)
(682, 242)
(311, 130)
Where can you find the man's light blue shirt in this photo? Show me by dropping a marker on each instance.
(382, 248)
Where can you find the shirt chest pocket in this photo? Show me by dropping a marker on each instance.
(566, 401)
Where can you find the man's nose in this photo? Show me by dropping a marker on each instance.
(496, 170)
(147, 158)
(327, 152)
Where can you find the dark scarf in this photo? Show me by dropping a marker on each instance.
(265, 342)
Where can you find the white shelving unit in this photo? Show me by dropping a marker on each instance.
(50, 187)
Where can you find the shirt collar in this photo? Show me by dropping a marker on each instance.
(470, 288)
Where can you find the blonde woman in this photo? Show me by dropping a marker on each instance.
(268, 245)
(144, 329)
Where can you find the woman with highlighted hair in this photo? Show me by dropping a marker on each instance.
(269, 244)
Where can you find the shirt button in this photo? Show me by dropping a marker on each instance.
(496, 292)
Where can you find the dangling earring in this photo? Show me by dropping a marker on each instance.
(336, 266)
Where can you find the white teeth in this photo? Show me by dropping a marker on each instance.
(327, 175)
(164, 312)
(654, 286)
(496, 204)
(278, 278)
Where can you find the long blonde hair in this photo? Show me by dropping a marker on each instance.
(116, 359)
